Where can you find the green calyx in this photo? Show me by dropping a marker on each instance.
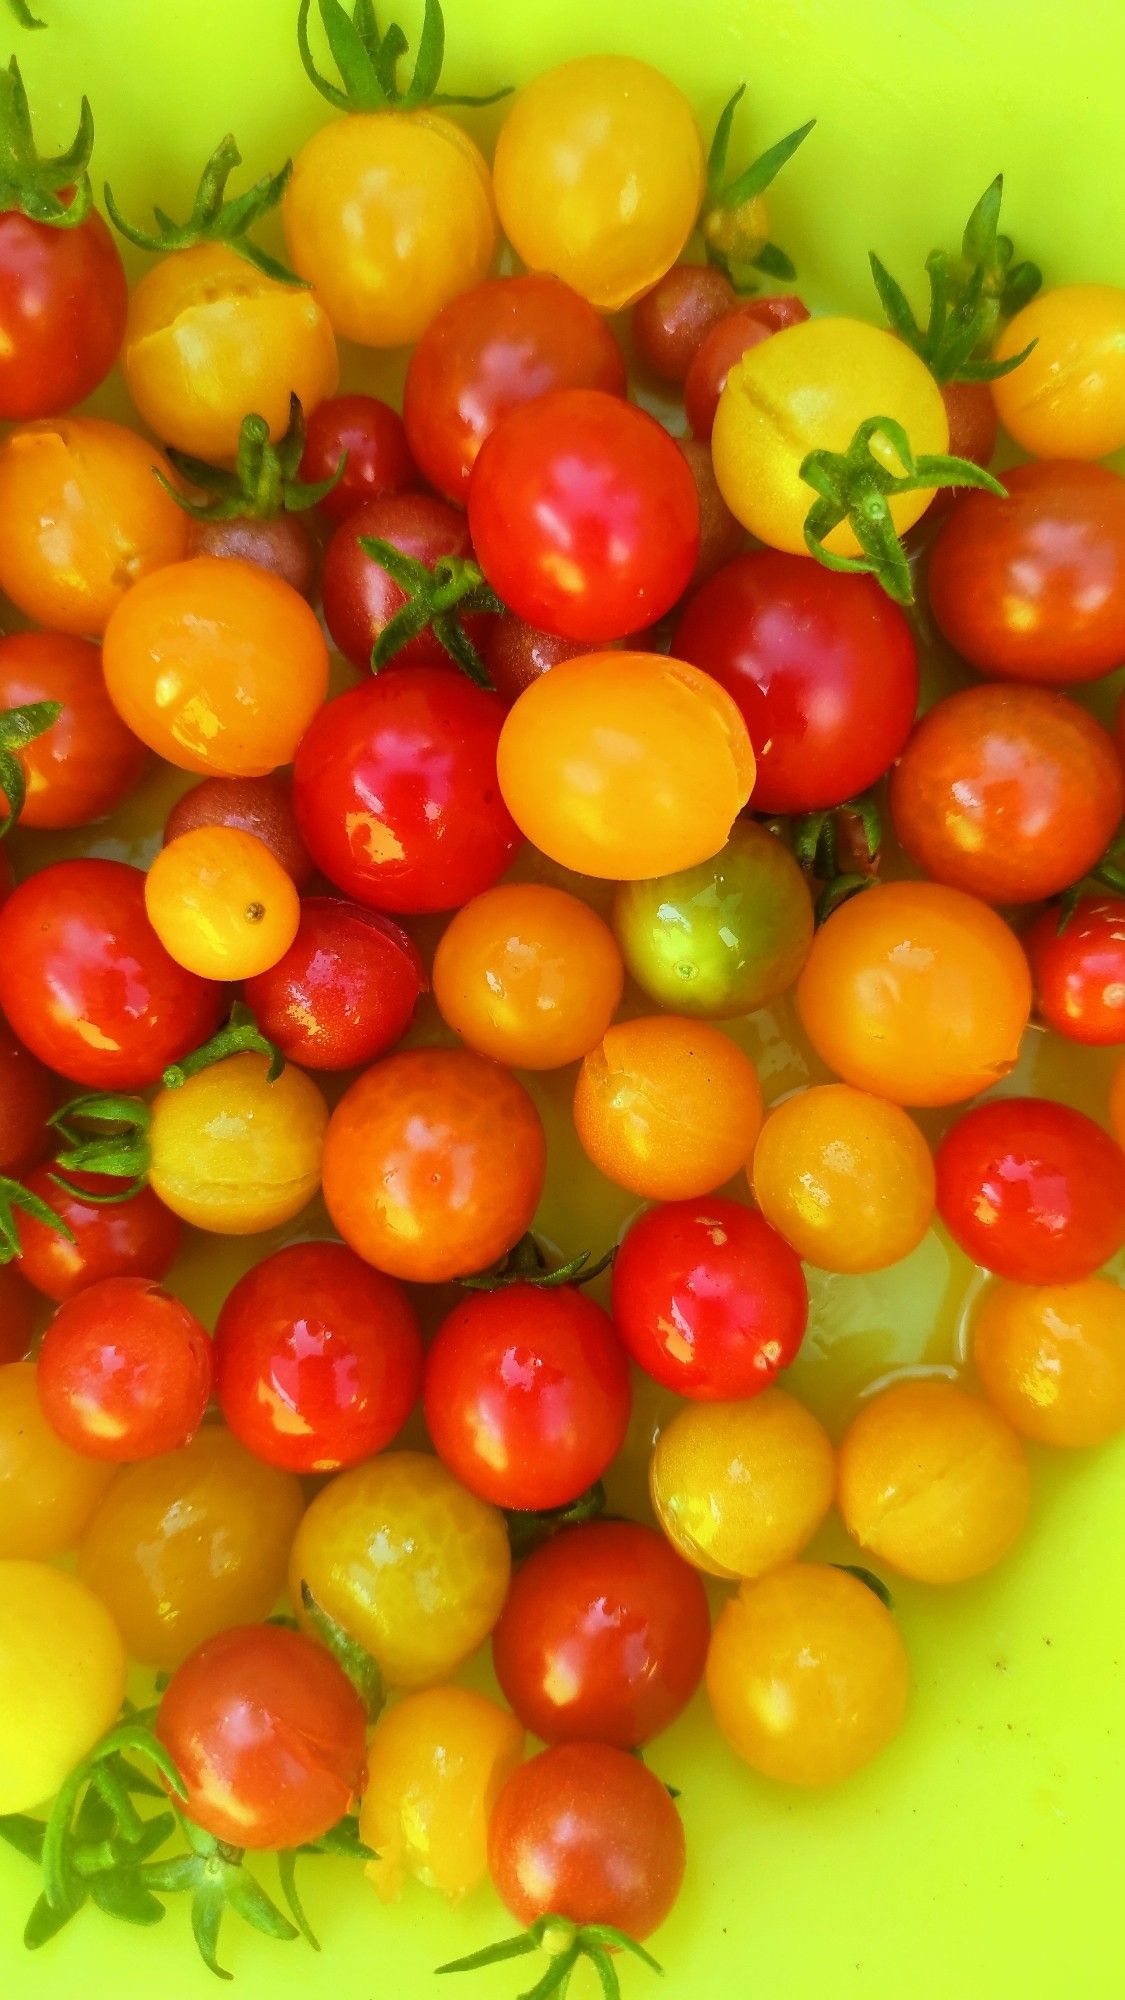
(367, 59)
(526, 1264)
(213, 218)
(29, 182)
(874, 1583)
(436, 601)
(20, 726)
(969, 295)
(103, 1133)
(264, 482)
(24, 15)
(241, 1036)
(13, 1196)
(358, 1664)
(528, 1528)
(564, 1944)
(839, 848)
(733, 240)
(856, 486)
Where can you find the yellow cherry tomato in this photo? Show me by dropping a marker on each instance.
(1067, 400)
(933, 1481)
(407, 1561)
(599, 174)
(845, 1177)
(62, 1680)
(807, 1674)
(232, 1152)
(528, 975)
(186, 1544)
(668, 1108)
(47, 1491)
(436, 1765)
(740, 1487)
(221, 904)
(1052, 1359)
(625, 765)
(808, 388)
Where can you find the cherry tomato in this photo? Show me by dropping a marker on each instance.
(434, 1164)
(586, 1833)
(318, 1358)
(972, 430)
(740, 1487)
(823, 667)
(234, 1153)
(516, 653)
(721, 537)
(604, 1636)
(1117, 1103)
(124, 1371)
(436, 1764)
(724, 343)
(378, 457)
(916, 992)
(670, 322)
(221, 903)
(268, 1735)
(396, 791)
(407, 1562)
(63, 297)
(528, 975)
(667, 1107)
(217, 666)
(1052, 1359)
(722, 938)
(27, 1099)
(134, 1237)
(84, 520)
(846, 1178)
(210, 337)
(344, 992)
(185, 1545)
(625, 765)
(584, 515)
(1069, 394)
(283, 545)
(1032, 1190)
(87, 984)
(1008, 792)
(1079, 971)
(261, 806)
(599, 176)
(48, 1491)
(807, 1675)
(1032, 588)
(87, 761)
(360, 598)
(62, 1678)
(527, 1395)
(18, 1313)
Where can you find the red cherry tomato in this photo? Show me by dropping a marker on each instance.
(823, 667)
(584, 515)
(604, 1636)
(63, 299)
(360, 599)
(670, 322)
(516, 653)
(721, 536)
(268, 1735)
(378, 456)
(344, 992)
(1079, 972)
(1032, 1190)
(318, 1358)
(709, 1300)
(134, 1238)
(396, 791)
(124, 1371)
(87, 761)
(527, 1394)
(725, 343)
(261, 806)
(18, 1308)
(27, 1099)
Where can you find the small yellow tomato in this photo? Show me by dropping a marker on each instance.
(528, 975)
(845, 1177)
(62, 1679)
(740, 1487)
(221, 904)
(47, 1491)
(1052, 1359)
(436, 1765)
(600, 173)
(668, 1108)
(234, 1153)
(808, 388)
(1067, 400)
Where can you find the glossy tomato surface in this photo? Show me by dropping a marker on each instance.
(261, 806)
(370, 437)
(360, 598)
(724, 343)
(669, 322)
(130, 1237)
(124, 1371)
(667, 1107)
(344, 992)
(1033, 1190)
(87, 761)
(1079, 970)
(63, 298)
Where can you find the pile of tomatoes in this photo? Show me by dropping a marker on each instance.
(520, 734)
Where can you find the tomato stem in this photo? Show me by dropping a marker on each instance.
(24, 15)
(117, 1147)
(13, 1196)
(213, 218)
(526, 1264)
(438, 597)
(367, 61)
(18, 727)
(264, 482)
(564, 1944)
(528, 1529)
(240, 1036)
(968, 297)
(361, 1668)
(731, 222)
(55, 190)
(874, 1583)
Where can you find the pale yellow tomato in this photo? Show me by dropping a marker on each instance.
(741, 1487)
(234, 1153)
(62, 1679)
(47, 1491)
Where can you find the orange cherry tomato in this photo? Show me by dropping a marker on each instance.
(87, 761)
(528, 975)
(668, 1108)
(845, 1177)
(1067, 400)
(1051, 1358)
(221, 904)
(436, 1765)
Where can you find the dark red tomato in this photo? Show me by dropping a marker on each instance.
(124, 1371)
(527, 1394)
(490, 350)
(87, 761)
(604, 1636)
(261, 806)
(1032, 1190)
(396, 792)
(6, 876)
(132, 1238)
(1032, 588)
(360, 599)
(584, 515)
(27, 1099)
(721, 537)
(709, 1300)
(725, 343)
(318, 1358)
(378, 456)
(1079, 972)
(1008, 792)
(516, 653)
(823, 666)
(63, 300)
(344, 992)
(268, 1734)
(587, 1832)
(87, 984)
(670, 321)
(283, 545)
(973, 423)
(18, 1309)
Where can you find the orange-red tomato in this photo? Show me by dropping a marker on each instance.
(668, 1108)
(87, 761)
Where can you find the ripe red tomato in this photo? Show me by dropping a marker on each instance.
(709, 1300)
(1032, 588)
(725, 343)
(516, 653)
(823, 667)
(584, 515)
(87, 984)
(268, 1735)
(124, 1371)
(527, 1394)
(132, 1238)
(604, 1636)
(360, 599)
(396, 791)
(261, 806)
(1034, 1191)
(670, 322)
(18, 1308)
(63, 299)
(378, 456)
(344, 992)
(87, 761)
(1079, 972)
(27, 1099)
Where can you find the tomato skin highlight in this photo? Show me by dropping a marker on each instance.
(1032, 1190)
(1051, 1359)
(378, 457)
(134, 1238)
(63, 300)
(87, 762)
(1069, 394)
(345, 991)
(667, 1107)
(529, 975)
(436, 1763)
(124, 1371)
(724, 343)
(1079, 974)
